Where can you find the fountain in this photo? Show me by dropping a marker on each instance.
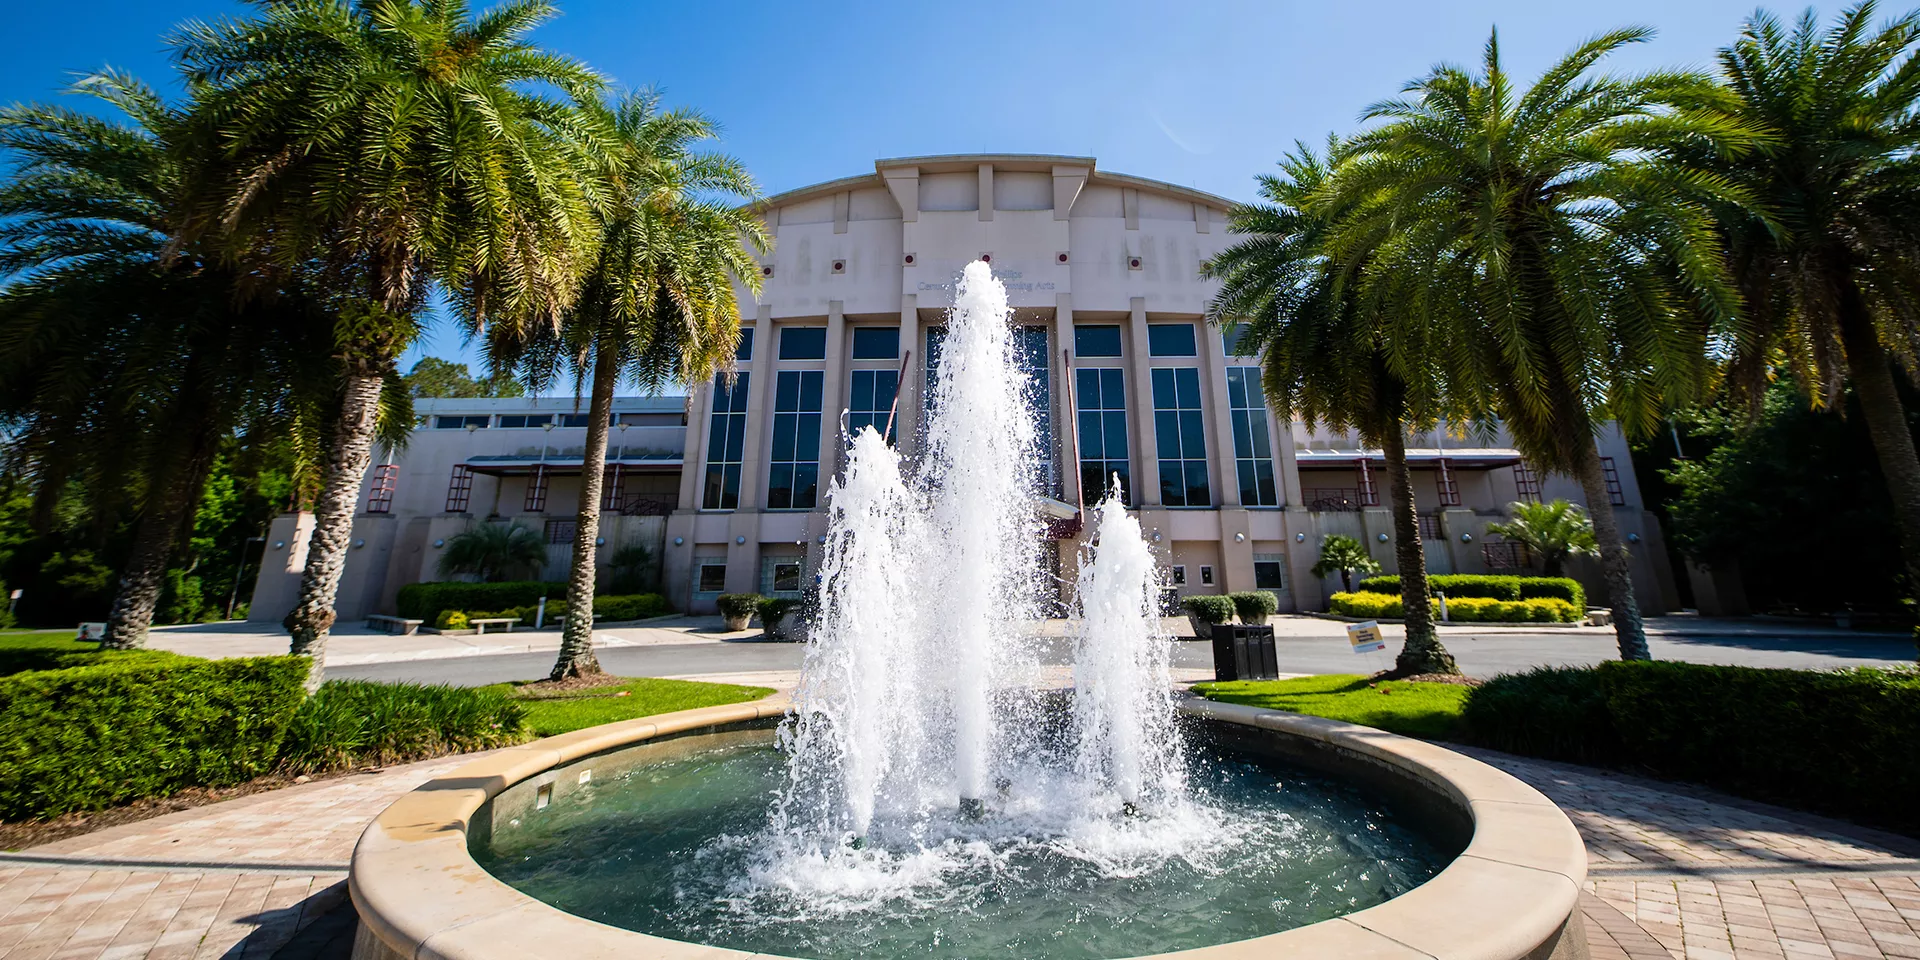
(937, 789)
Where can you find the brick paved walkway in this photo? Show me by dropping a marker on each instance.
(1676, 873)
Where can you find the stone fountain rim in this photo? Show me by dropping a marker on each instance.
(1511, 894)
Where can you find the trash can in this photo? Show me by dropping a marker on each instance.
(1241, 652)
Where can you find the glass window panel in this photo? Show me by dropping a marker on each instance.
(784, 436)
(1189, 380)
(713, 577)
(1249, 483)
(1163, 392)
(1268, 576)
(1090, 445)
(786, 576)
(876, 343)
(1116, 443)
(1193, 436)
(1182, 437)
(1113, 389)
(810, 382)
(795, 451)
(1173, 484)
(786, 391)
(1269, 489)
(806, 485)
(803, 343)
(744, 351)
(1096, 340)
(737, 439)
(1236, 388)
(726, 433)
(1087, 388)
(780, 486)
(1171, 340)
(1252, 446)
(1166, 433)
(1198, 492)
(807, 444)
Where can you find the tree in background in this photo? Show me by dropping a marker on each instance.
(1345, 556)
(1554, 531)
(1572, 263)
(1827, 254)
(382, 147)
(657, 305)
(434, 377)
(495, 552)
(1333, 355)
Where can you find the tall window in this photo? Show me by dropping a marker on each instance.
(793, 476)
(380, 495)
(1100, 396)
(1180, 434)
(1252, 444)
(459, 488)
(871, 402)
(1030, 348)
(726, 443)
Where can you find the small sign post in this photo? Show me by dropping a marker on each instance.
(1366, 637)
(92, 631)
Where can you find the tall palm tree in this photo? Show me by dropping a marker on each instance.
(657, 304)
(1569, 257)
(1829, 256)
(374, 148)
(122, 363)
(1333, 356)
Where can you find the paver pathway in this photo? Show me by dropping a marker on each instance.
(1675, 873)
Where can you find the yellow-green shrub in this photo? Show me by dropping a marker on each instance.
(1464, 609)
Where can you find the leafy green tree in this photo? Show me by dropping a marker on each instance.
(381, 146)
(126, 359)
(495, 552)
(657, 305)
(1556, 531)
(1345, 556)
(434, 377)
(1827, 251)
(1328, 360)
(1569, 264)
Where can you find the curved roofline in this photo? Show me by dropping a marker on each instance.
(1033, 162)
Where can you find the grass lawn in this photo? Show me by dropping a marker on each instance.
(551, 714)
(1430, 710)
(14, 638)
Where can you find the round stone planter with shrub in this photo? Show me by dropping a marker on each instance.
(1254, 606)
(1203, 611)
(738, 609)
(782, 618)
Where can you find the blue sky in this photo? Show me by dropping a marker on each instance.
(1205, 94)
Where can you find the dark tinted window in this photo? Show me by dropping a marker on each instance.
(876, 343)
(803, 343)
(1171, 340)
(1096, 341)
(744, 351)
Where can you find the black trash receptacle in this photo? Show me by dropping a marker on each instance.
(1244, 653)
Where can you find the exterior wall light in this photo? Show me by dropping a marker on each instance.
(1239, 538)
(437, 544)
(357, 544)
(823, 539)
(599, 541)
(1299, 538)
(1156, 536)
(1466, 538)
(1633, 538)
(277, 544)
(679, 541)
(742, 541)
(1383, 538)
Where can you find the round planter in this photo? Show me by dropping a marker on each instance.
(1202, 630)
(738, 623)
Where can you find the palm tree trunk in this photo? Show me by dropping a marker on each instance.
(1872, 374)
(1627, 628)
(1422, 652)
(576, 641)
(352, 450)
(145, 574)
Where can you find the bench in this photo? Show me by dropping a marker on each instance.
(480, 626)
(395, 625)
(1599, 618)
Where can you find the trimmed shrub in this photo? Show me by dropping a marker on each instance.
(1490, 586)
(636, 606)
(1558, 713)
(354, 722)
(734, 605)
(424, 601)
(1207, 608)
(451, 620)
(773, 609)
(90, 737)
(1464, 609)
(59, 653)
(1254, 606)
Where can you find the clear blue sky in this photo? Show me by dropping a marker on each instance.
(1206, 94)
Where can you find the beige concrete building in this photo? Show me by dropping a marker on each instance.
(1103, 271)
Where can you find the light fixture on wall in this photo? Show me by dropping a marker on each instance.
(1466, 538)
(986, 257)
(1060, 257)
(1633, 538)
(437, 544)
(907, 259)
(742, 541)
(277, 544)
(1383, 538)
(1299, 538)
(823, 539)
(1156, 536)
(357, 544)
(766, 270)
(1239, 538)
(1133, 263)
(679, 541)
(839, 266)
(599, 541)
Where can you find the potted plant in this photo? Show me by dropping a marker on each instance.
(781, 616)
(1254, 606)
(1205, 611)
(738, 609)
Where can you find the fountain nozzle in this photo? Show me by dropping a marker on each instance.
(972, 808)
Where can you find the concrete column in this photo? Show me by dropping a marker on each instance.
(1067, 444)
(1236, 555)
(1226, 484)
(743, 559)
(1146, 460)
(986, 191)
(693, 457)
(833, 392)
(759, 412)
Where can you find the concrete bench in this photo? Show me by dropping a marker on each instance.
(480, 626)
(396, 625)
(1599, 618)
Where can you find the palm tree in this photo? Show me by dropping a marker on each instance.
(122, 363)
(1333, 356)
(495, 552)
(1828, 257)
(1556, 531)
(1569, 258)
(1345, 556)
(657, 304)
(374, 148)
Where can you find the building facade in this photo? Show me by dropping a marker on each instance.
(727, 485)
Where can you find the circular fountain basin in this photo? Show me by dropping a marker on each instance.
(1510, 892)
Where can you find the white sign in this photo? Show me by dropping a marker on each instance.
(1366, 637)
(92, 631)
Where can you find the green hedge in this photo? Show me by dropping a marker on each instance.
(1489, 586)
(739, 604)
(1844, 742)
(1254, 604)
(634, 606)
(90, 737)
(424, 601)
(638, 606)
(1208, 608)
(1462, 609)
(350, 722)
(18, 655)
